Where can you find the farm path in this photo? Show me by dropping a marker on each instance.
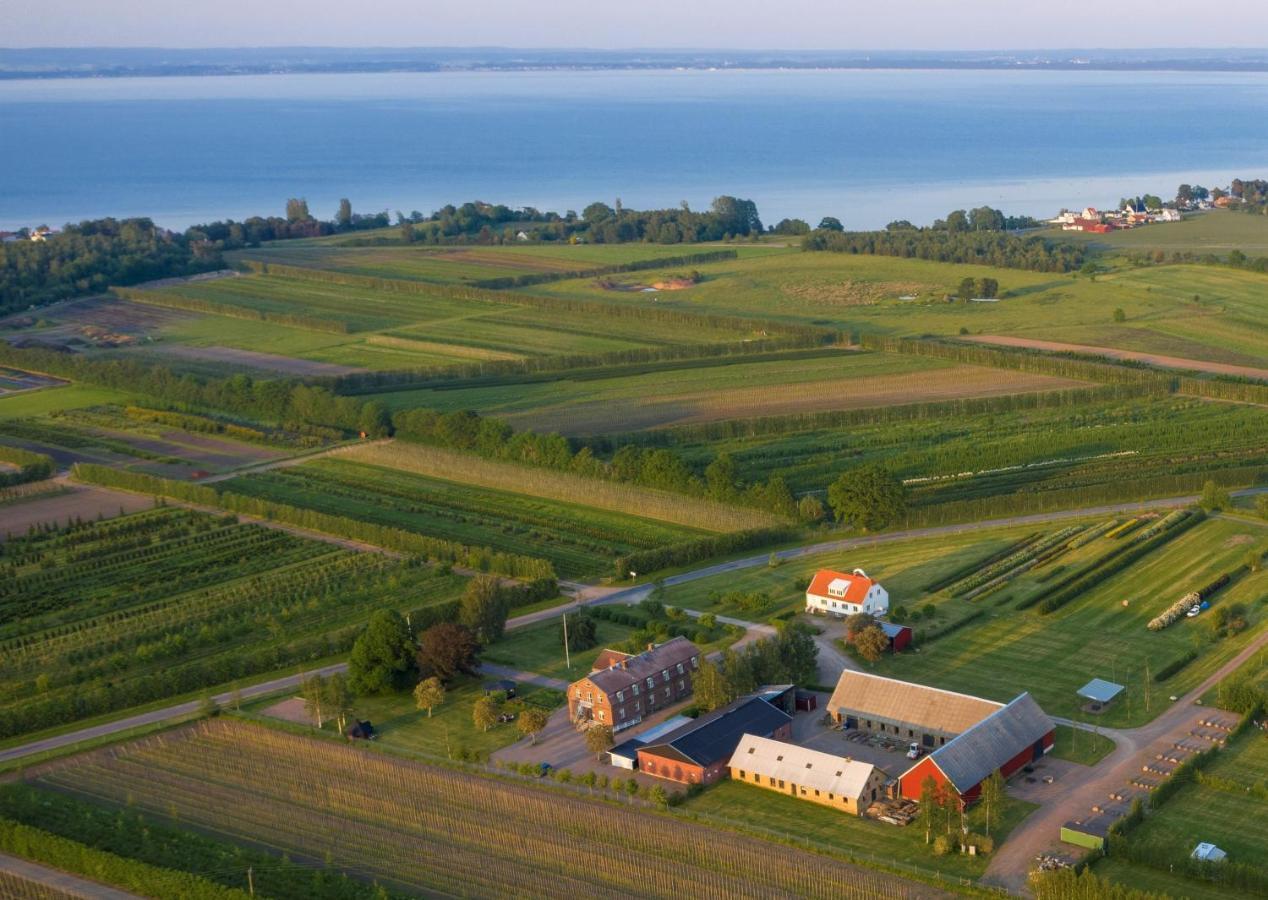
(289, 461)
(1087, 787)
(523, 677)
(60, 883)
(1153, 359)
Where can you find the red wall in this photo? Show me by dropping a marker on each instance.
(909, 782)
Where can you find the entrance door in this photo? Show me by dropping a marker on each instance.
(1038, 749)
(851, 721)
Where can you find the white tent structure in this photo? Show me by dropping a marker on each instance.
(1208, 853)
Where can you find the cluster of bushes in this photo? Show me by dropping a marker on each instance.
(656, 623)
(996, 573)
(1177, 610)
(31, 466)
(306, 436)
(481, 559)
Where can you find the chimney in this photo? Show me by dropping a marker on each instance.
(651, 647)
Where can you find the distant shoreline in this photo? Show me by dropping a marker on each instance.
(142, 62)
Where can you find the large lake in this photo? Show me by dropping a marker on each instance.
(866, 146)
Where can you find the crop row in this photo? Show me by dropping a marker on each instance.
(1012, 565)
(432, 829)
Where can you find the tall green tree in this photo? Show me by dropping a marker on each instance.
(867, 497)
(343, 218)
(382, 657)
(531, 721)
(484, 608)
(992, 799)
(710, 687)
(928, 808)
(297, 210)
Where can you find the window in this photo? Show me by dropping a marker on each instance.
(600, 715)
(779, 758)
(808, 765)
(816, 792)
(741, 773)
(695, 662)
(666, 693)
(664, 673)
(638, 705)
(803, 792)
(651, 682)
(781, 782)
(680, 669)
(635, 687)
(830, 797)
(621, 712)
(682, 685)
(620, 696)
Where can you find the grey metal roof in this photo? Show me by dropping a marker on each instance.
(714, 736)
(1100, 690)
(968, 759)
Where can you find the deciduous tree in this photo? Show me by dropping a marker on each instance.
(429, 693)
(448, 650)
(871, 643)
(484, 608)
(484, 712)
(599, 741)
(531, 721)
(868, 497)
(382, 658)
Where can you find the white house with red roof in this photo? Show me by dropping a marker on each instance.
(839, 594)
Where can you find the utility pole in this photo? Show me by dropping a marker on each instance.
(251, 880)
(567, 655)
(1147, 698)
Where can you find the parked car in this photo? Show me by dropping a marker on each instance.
(914, 750)
(1193, 612)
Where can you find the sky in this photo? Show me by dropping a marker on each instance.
(624, 24)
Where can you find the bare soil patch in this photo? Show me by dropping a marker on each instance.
(289, 710)
(857, 293)
(80, 502)
(189, 279)
(269, 362)
(1153, 359)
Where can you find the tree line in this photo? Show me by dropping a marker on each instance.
(93, 255)
(986, 247)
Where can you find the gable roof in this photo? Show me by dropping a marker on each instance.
(714, 736)
(856, 585)
(972, 756)
(902, 701)
(648, 663)
(802, 766)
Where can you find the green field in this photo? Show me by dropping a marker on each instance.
(578, 540)
(1003, 650)
(42, 402)
(461, 264)
(806, 381)
(766, 812)
(1216, 231)
(1223, 810)
(1088, 444)
(1096, 636)
(862, 293)
(540, 649)
(1084, 747)
(105, 616)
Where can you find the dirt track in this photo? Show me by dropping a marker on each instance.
(1153, 359)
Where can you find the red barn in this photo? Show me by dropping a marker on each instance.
(899, 635)
(1007, 740)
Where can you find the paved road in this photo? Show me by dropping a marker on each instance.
(67, 884)
(1011, 864)
(597, 595)
(159, 715)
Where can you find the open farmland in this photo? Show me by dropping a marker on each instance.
(150, 441)
(460, 264)
(1095, 635)
(102, 616)
(1079, 444)
(420, 828)
(578, 540)
(377, 327)
(865, 294)
(807, 382)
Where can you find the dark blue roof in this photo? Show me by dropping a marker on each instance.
(628, 750)
(714, 736)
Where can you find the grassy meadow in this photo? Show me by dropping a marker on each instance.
(1216, 231)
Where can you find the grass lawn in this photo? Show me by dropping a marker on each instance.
(746, 806)
(450, 731)
(1096, 636)
(1077, 745)
(1163, 884)
(539, 648)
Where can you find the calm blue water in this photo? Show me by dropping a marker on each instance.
(867, 147)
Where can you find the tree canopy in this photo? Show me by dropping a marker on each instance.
(382, 658)
(867, 497)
